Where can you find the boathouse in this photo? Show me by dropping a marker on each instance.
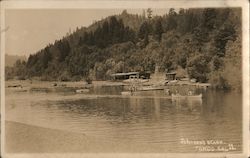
(124, 76)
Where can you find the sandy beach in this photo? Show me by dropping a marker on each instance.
(23, 138)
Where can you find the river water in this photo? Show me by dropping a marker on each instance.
(175, 125)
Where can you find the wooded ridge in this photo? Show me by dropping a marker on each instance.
(206, 44)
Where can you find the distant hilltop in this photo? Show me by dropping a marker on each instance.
(10, 60)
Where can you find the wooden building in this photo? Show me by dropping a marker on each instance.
(171, 76)
(124, 76)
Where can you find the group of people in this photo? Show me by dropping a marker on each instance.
(132, 89)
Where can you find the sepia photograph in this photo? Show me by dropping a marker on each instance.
(145, 79)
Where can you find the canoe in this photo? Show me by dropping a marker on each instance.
(178, 96)
(150, 88)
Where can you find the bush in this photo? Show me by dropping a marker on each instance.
(65, 76)
(76, 78)
(88, 80)
(198, 68)
(218, 80)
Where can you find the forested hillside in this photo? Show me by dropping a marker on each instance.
(204, 43)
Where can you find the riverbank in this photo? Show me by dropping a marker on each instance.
(55, 86)
(42, 84)
(23, 138)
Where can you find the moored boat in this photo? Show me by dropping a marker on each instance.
(126, 93)
(135, 80)
(82, 90)
(178, 96)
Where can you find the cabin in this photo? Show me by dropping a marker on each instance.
(124, 76)
(171, 76)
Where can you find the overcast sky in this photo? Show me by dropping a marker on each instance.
(31, 30)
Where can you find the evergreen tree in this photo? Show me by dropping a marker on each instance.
(149, 13)
(158, 30)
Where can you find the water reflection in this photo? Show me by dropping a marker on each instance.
(151, 120)
(157, 107)
(191, 105)
(108, 90)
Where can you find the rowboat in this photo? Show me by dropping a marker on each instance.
(135, 80)
(178, 96)
(126, 93)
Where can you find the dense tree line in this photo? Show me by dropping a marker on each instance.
(205, 43)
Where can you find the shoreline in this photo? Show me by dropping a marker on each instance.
(69, 84)
(82, 84)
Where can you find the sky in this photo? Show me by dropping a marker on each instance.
(30, 30)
